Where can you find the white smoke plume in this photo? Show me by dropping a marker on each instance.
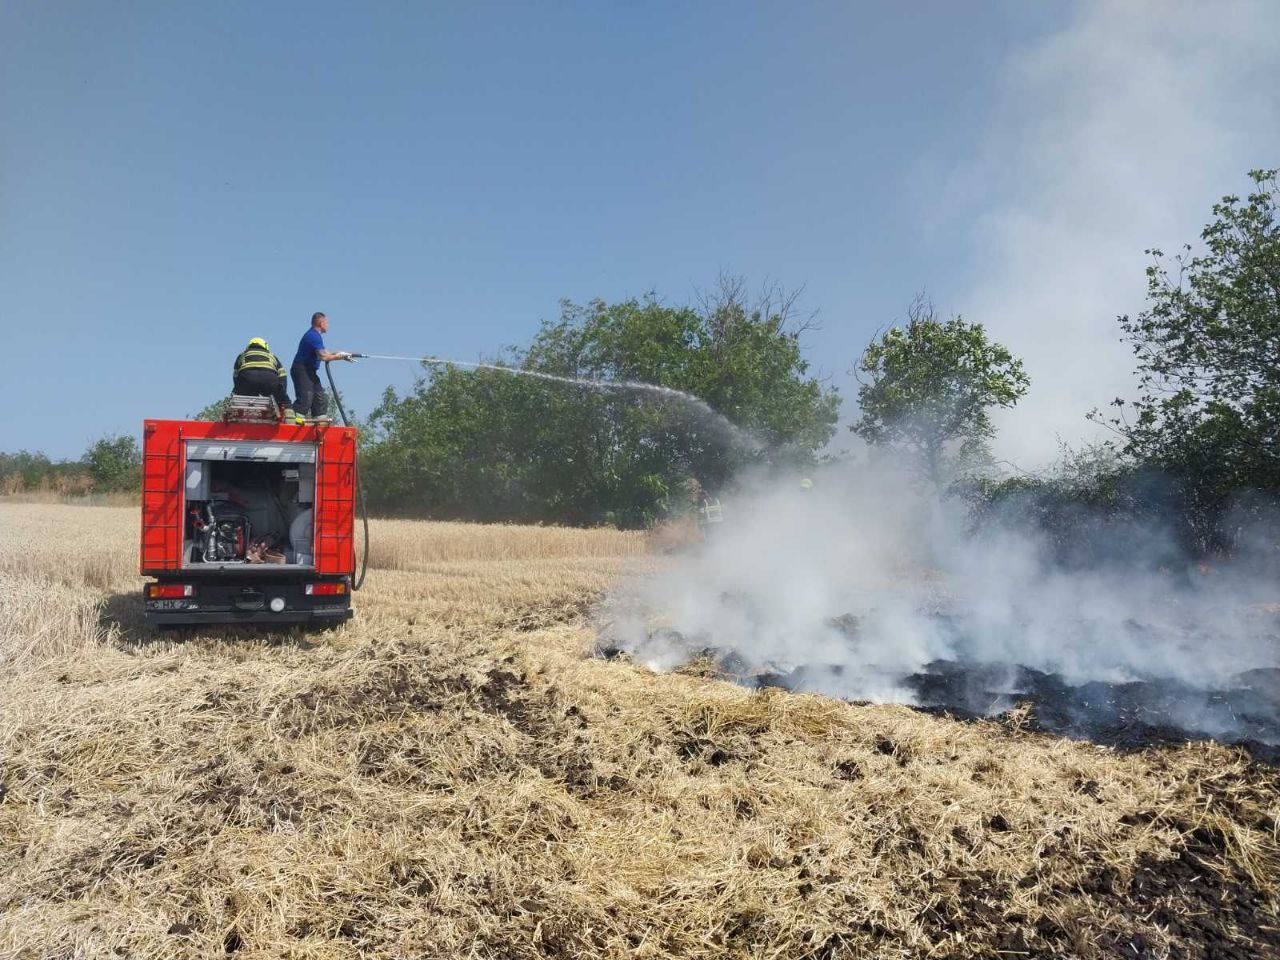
(1113, 135)
(866, 578)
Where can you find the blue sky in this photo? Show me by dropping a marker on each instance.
(176, 178)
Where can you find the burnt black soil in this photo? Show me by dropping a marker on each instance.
(1133, 715)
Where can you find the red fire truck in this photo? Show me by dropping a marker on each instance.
(247, 521)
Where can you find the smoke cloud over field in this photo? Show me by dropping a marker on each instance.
(856, 586)
(1115, 134)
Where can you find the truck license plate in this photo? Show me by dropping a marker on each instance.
(170, 604)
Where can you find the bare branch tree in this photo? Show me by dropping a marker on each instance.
(729, 301)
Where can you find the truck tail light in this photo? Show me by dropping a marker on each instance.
(158, 591)
(325, 589)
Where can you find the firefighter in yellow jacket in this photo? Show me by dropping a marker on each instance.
(258, 373)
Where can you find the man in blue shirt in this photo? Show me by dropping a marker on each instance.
(312, 403)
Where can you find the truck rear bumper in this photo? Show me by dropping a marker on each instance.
(256, 603)
(189, 618)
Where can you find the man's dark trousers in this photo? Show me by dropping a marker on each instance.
(312, 401)
(261, 382)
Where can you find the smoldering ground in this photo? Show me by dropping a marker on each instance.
(869, 586)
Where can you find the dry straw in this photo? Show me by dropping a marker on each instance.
(454, 774)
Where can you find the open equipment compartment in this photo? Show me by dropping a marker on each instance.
(245, 498)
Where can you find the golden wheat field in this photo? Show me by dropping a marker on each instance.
(455, 774)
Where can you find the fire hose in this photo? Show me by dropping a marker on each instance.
(364, 510)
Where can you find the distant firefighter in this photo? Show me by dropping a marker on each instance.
(711, 511)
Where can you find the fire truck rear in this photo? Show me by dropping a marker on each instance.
(247, 521)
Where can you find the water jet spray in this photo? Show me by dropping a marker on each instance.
(739, 436)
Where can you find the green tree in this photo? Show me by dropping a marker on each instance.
(24, 471)
(488, 444)
(211, 412)
(1208, 357)
(928, 388)
(115, 463)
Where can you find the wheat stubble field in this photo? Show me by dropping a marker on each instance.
(455, 774)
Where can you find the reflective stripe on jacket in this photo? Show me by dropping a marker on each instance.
(258, 358)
